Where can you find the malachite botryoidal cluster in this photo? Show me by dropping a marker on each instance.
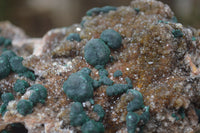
(5, 41)
(73, 37)
(4, 67)
(117, 89)
(97, 10)
(79, 86)
(133, 118)
(78, 117)
(24, 107)
(21, 86)
(112, 38)
(96, 52)
(16, 64)
(104, 80)
(9, 61)
(6, 98)
(137, 102)
(9, 54)
(92, 126)
(117, 73)
(38, 95)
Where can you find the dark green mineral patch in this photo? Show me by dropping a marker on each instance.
(112, 38)
(96, 52)
(74, 37)
(21, 86)
(24, 107)
(79, 86)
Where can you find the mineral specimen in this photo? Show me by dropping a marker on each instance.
(158, 56)
(24, 107)
(21, 86)
(112, 38)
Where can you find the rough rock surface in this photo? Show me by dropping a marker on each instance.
(164, 68)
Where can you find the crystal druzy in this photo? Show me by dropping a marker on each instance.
(122, 69)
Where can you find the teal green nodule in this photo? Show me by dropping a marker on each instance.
(112, 38)
(117, 73)
(28, 74)
(16, 64)
(77, 115)
(96, 52)
(137, 102)
(24, 107)
(9, 54)
(79, 86)
(92, 127)
(39, 94)
(116, 89)
(132, 120)
(4, 67)
(7, 97)
(20, 86)
(73, 37)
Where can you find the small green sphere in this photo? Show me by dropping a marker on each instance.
(117, 73)
(103, 72)
(7, 97)
(105, 80)
(132, 120)
(96, 52)
(73, 37)
(20, 86)
(77, 115)
(79, 87)
(85, 70)
(4, 67)
(96, 83)
(35, 97)
(112, 38)
(8, 53)
(28, 74)
(16, 64)
(24, 107)
(92, 127)
(39, 94)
